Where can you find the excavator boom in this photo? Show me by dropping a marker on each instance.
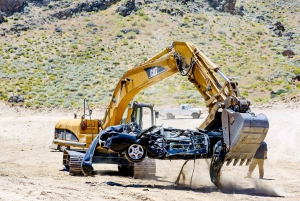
(181, 57)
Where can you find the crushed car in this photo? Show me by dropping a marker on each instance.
(155, 142)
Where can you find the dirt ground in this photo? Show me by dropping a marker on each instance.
(29, 170)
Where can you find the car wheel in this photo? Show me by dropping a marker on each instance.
(61, 148)
(170, 116)
(195, 116)
(135, 153)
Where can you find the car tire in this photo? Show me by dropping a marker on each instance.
(195, 116)
(135, 153)
(170, 116)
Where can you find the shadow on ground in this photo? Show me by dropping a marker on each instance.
(228, 187)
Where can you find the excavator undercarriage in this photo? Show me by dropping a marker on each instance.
(72, 160)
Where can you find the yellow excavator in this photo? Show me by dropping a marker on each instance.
(231, 132)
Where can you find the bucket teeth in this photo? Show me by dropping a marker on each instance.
(229, 161)
(248, 161)
(242, 161)
(235, 161)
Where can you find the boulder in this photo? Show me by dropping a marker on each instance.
(87, 7)
(171, 11)
(296, 78)
(223, 5)
(126, 30)
(58, 29)
(19, 28)
(279, 26)
(127, 8)
(288, 53)
(10, 6)
(15, 99)
(40, 2)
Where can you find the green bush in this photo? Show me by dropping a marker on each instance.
(66, 104)
(245, 94)
(125, 42)
(140, 12)
(74, 46)
(28, 104)
(279, 92)
(146, 17)
(80, 94)
(202, 17)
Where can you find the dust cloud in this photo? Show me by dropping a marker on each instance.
(195, 175)
(260, 188)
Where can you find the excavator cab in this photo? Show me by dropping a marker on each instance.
(140, 113)
(144, 115)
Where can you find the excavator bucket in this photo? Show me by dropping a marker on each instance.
(243, 134)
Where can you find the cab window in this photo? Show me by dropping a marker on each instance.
(137, 115)
(125, 115)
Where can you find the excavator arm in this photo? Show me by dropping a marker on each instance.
(189, 61)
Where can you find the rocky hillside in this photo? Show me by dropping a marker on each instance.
(54, 53)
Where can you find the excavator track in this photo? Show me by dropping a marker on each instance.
(72, 160)
(75, 165)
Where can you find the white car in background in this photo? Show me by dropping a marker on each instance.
(183, 110)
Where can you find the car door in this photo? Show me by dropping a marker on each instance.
(184, 111)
